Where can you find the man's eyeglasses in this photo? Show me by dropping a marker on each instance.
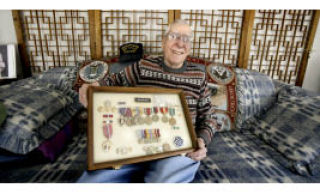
(175, 36)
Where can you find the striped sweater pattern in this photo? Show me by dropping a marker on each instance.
(151, 72)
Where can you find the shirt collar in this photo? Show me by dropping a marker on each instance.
(173, 70)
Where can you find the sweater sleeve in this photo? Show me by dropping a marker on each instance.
(126, 77)
(204, 123)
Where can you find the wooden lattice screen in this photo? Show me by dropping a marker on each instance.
(142, 26)
(278, 42)
(55, 38)
(275, 42)
(216, 34)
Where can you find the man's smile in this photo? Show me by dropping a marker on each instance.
(177, 52)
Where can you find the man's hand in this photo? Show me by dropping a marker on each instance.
(83, 93)
(199, 154)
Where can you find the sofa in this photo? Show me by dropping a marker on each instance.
(276, 136)
(267, 132)
(267, 139)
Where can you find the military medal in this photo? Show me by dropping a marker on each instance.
(107, 132)
(164, 111)
(107, 105)
(149, 135)
(172, 121)
(100, 108)
(129, 120)
(123, 150)
(155, 117)
(166, 147)
(107, 129)
(148, 119)
(178, 141)
(147, 149)
(106, 145)
(136, 116)
(175, 128)
(152, 149)
(140, 120)
(122, 119)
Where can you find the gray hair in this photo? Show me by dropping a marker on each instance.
(175, 22)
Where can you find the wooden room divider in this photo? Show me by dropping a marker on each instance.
(275, 42)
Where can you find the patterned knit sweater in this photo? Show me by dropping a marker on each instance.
(191, 78)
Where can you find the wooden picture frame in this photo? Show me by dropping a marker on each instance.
(8, 64)
(123, 129)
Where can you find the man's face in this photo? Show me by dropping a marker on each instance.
(174, 48)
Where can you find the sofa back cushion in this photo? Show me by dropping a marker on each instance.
(255, 94)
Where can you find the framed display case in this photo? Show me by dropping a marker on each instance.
(130, 124)
(8, 67)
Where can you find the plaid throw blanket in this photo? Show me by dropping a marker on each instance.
(36, 111)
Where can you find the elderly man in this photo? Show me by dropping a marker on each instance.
(170, 71)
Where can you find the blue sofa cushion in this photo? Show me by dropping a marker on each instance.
(62, 77)
(292, 127)
(256, 93)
